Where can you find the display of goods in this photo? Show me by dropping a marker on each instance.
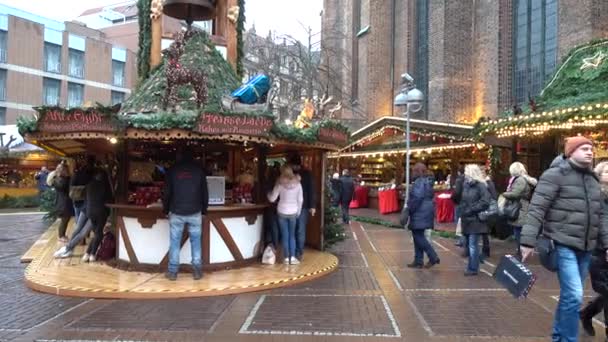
(141, 172)
(243, 194)
(145, 195)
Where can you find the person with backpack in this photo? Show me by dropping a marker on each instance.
(520, 189)
(473, 198)
(421, 209)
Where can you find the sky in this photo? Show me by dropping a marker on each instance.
(280, 16)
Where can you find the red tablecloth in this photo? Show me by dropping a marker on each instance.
(444, 208)
(388, 201)
(360, 197)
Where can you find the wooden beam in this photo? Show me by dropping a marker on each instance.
(125, 237)
(225, 234)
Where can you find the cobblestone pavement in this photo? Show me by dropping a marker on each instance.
(373, 296)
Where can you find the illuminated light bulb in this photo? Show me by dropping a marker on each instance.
(113, 140)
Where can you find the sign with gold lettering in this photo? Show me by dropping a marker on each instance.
(57, 121)
(211, 123)
(333, 136)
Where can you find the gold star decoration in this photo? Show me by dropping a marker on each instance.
(593, 62)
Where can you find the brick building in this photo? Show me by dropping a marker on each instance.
(470, 58)
(46, 62)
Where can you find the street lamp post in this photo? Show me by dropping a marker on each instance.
(412, 99)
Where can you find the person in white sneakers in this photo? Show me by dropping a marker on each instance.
(288, 191)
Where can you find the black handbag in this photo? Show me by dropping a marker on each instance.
(547, 253)
(489, 213)
(510, 210)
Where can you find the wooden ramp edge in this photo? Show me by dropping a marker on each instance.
(38, 247)
(71, 277)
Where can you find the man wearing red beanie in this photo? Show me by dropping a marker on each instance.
(566, 204)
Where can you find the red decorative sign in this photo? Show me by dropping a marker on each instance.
(57, 121)
(233, 124)
(333, 136)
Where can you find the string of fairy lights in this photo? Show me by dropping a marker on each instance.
(586, 116)
(402, 151)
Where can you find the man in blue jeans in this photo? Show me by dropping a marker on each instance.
(567, 206)
(185, 199)
(309, 205)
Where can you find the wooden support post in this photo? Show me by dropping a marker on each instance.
(157, 35)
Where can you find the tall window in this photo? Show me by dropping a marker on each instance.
(2, 85)
(535, 52)
(76, 63)
(52, 57)
(75, 94)
(422, 50)
(117, 97)
(51, 91)
(3, 46)
(118, 73)
(2, 116)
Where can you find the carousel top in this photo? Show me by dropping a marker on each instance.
(184, 98)
(576, 97)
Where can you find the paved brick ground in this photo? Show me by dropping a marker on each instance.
(371, 297)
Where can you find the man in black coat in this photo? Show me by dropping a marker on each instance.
(309, 205)
(346, 194)
(185, 199)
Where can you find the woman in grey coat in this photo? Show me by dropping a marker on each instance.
(519, 189)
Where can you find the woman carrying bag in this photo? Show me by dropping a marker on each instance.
(518, 193)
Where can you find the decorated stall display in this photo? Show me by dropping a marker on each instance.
(254, 91)
(574, 101)
(151, 129)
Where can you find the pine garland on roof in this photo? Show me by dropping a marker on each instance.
(145, 38)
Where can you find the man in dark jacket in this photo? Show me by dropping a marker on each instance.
(566, 204)
(421, 207)
(347, 191)
(185, 199)
(309, 205)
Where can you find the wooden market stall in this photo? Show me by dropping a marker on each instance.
(574, 102)
(376, 154)
(139, 141)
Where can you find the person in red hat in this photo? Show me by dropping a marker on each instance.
(566, 206)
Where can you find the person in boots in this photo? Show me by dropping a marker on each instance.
(599, 264)
(185, 199)
(567, 206)
(421, 207)
(288, 191)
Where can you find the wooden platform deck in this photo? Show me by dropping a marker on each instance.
(71, 277)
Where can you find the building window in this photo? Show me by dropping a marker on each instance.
(118, 73)
(3, 46)
(2, 85)
(117, 97)
(76, 63)
(51, 91)
(2, 116)
(75, 94)
(535, 50)
(52, 57)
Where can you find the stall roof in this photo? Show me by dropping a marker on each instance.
(575, 98)
(19, 145)
(435, 126)
(383, 150)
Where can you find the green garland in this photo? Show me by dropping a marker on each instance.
(26, 124)
(333, 231)
(240, 28)
(145, 39)
(375, 221)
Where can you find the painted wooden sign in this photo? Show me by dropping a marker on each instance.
(210, 123)
(57, 121)
(332, 136)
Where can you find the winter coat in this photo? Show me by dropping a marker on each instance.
(185, 190)
(566, 205)
(492, 189)
(81, 178)
(336, 191)
(599, 267)
(347, 190)
(308, 188)
(473, 198)
(421, 204)
(98, 194)
(520, 190)
(41, 180)
(63, 203)
(290, 195)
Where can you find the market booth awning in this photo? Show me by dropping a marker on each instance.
(142, 136)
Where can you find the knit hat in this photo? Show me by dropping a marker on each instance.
(575, 142)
